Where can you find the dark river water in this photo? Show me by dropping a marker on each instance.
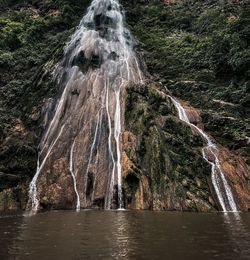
(125, 235)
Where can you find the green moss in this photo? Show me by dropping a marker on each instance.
(165, 148)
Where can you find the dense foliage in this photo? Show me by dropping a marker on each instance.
(200, 50)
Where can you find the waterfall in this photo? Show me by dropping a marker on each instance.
(83, 135)
(220, 184)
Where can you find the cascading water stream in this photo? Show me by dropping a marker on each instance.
(80, 152)
(111, 179)
(220, 184)
(33, 187)
(73, 176)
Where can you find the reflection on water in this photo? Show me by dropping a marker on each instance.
(238, 234)
(120, 236)
(125, 235)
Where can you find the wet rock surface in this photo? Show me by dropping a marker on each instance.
(79, 153)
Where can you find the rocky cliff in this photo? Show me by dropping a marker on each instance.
(197, 50)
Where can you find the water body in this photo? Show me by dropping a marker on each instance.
(125, 235)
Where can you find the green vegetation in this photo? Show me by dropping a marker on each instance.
(200, 50)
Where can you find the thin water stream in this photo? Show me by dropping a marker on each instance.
(220, 184)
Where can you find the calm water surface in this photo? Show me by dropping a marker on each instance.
(125, 235)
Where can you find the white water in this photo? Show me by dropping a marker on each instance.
(73, 176)
(102, 35)
(32, 188)
(220, 184)
(117, 130)
(109, 194)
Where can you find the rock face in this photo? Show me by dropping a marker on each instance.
(14, 198)
(238, 175)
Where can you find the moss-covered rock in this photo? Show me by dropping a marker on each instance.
(165, 152)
